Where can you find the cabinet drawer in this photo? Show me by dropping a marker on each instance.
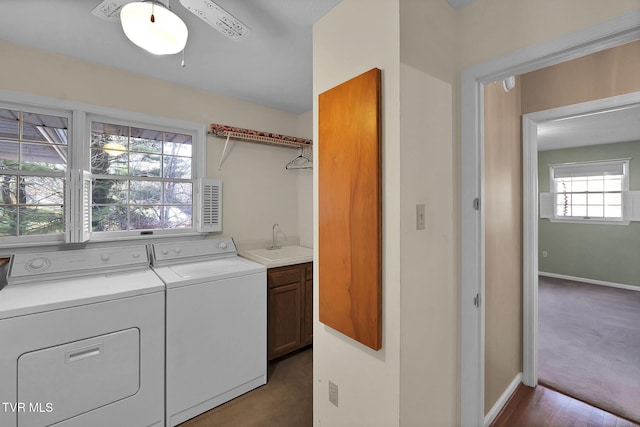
(309, 270)
(284, 276)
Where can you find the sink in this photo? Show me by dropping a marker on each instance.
(286, 255)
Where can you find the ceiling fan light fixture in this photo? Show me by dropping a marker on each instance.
(166, 34)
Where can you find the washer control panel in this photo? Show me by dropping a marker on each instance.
(195, 250)
(77, 262)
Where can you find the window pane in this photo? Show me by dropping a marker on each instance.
(42, 127)
(563, 199)
(177, 167)
(8, 190)
(178, 216)
(42, 157)
(613, 183)
(596, 183)
(145, 164)
(178, 193)
(9, 154)
(613, 211)
(9, 124)
(578, 210)
(109, 192)
(109, 218)
(146, 140)
(41, 190)
(109, 163)
(8, 221)
(145, 217)
(596, 211)
(41, 220)
(563, 185)
(595, 198)
(579, 185)
(146, 193)
(613, 199)
(177, 144)
(579, 199)
(563, 210)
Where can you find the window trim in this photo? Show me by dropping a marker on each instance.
(78, 114)
(12, 104)
(623, 220)
(160, 126)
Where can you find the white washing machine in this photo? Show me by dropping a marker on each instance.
(82, 340)
(216, 324)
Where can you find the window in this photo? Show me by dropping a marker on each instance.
(68, 174)
(33, 166)
(592, 191)
(141, 178)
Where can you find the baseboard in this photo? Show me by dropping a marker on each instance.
(502, 401)
(591, 281)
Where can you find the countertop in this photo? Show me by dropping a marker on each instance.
(286, 255)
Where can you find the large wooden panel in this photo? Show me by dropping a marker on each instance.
(350, 208)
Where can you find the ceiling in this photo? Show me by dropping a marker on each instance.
(271, 67)
(603, 127)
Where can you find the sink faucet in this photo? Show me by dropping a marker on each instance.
(273, 241)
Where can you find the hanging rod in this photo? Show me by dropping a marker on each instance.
(230, 132)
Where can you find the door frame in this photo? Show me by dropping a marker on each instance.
(530, 124)
(604, 35)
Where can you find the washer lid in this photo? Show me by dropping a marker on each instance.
(216, 269)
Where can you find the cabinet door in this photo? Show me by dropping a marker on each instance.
(307, 315)
(284, 319)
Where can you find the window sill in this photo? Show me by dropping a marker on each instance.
(590, 221)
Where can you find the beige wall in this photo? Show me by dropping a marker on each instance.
(429, 280)
(503, 239)
(354, 37)
(493, 28)
(257, 190)
(600, 75)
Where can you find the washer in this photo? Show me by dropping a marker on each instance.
(216, 324)
(82, 336)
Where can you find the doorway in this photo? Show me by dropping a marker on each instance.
(613, 33)
(586, 353)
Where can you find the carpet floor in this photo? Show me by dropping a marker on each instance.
(285, 401)
(589, 344)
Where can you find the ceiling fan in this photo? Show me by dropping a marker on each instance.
(139, 22)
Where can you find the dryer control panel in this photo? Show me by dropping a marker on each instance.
(30, 267)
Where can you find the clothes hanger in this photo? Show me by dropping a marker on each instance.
(300, 162)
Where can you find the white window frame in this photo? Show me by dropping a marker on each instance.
(156, 125)
(43, 238)
(591, 165)
(79, 116)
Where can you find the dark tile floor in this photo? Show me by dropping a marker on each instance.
(285, 401)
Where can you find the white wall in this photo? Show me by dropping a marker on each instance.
(257, 190)
(354, 37)
(305, 185)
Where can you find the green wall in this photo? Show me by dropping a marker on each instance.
(595, 251)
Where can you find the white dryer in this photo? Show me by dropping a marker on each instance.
(216, 324)
(82, 340)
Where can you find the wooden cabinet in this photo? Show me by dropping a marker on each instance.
(290, 308)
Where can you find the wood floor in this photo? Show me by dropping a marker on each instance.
(543, 407)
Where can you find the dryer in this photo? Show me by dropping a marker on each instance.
(216, 324)
(82, 339)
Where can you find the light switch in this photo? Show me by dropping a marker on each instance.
(420, 216)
